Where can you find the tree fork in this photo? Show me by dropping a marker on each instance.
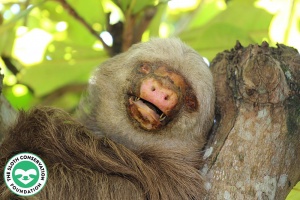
(254, 150)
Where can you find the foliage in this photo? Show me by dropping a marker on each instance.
(49, 48)
(295, 193)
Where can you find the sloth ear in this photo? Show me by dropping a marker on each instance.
(190, 101)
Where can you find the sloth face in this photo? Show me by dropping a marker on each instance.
(158, 95)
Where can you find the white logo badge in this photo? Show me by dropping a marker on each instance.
(25, 174)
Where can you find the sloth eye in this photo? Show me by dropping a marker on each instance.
(145, 69)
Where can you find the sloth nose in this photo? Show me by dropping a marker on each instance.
(161, 96)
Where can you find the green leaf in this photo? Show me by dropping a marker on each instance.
(6, 42)
(76, 33)
(295, 193)
(92, 11)
(48, 76)
(141, 5)
(240, 21)
(207, 11)
(8, 25)
(135, 5)
(216, 38)
(18, 102)
(68, 101)
(156, 21)
(123, 4)
(245, 15)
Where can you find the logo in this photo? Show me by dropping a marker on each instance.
(25, 174)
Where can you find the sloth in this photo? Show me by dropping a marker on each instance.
(138, 132)
(158, 93)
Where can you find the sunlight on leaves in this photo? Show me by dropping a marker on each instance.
(71, 68)
(97, 26)
(179, 4)
(24, 101)
(10, 80)
(21, 30)
(116, 13)
(295, 193)
(50, 42)
(106, 36)
(30, 47)
(206, 12)
(59, 9)
(224, 29)
(67, 56)
(134, 6)
(164, 30)
(98, 46)
(15, 8)
(6, 26)
(19, 90)
(61, 26)
(283, 28)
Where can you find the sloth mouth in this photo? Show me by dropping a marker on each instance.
(162, 115)
(148, 115)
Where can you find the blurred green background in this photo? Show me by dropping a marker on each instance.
(49, 48)
(47, 53)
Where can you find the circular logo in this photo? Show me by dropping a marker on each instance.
(25, 174)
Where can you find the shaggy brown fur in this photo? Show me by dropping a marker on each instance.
(84, 166)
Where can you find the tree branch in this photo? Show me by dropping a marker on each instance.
(254, 153)
(10, 65)
(80, 19)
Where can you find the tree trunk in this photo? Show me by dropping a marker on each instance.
(254, 150)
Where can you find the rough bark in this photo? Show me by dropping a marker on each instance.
(254, 151)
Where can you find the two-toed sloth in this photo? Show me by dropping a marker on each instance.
(158, 93)
(145, 118)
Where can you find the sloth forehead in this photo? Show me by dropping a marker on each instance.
(188, 63)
